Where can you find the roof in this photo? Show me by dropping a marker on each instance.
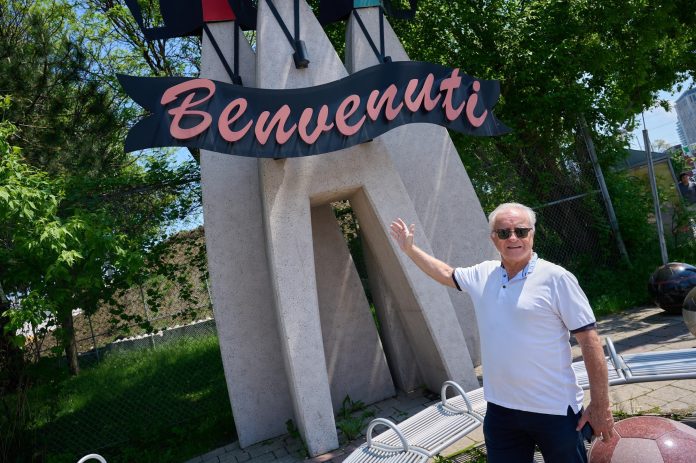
(637, 158)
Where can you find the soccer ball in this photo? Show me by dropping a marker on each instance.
(689, 311)
(646, 439)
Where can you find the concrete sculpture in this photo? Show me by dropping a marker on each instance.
(296, 330)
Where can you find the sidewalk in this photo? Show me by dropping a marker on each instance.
(639, 330)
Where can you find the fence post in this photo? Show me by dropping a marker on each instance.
(94, 340)
(210, 298)
(613, 223)
(147, 315)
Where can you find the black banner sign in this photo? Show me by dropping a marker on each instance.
(216, 116)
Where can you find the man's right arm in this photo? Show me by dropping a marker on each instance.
(431, 266)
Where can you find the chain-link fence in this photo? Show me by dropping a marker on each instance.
(148, 387)
(573, 227)
(150, 373)
(152, 387)
(567, 233)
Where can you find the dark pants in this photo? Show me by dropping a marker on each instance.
(511, 435)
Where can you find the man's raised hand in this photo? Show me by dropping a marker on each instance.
(402, 234)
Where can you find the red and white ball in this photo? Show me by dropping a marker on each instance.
(646, 439)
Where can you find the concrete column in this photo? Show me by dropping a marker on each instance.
(402, 361)
(239, 274)
(288, 230)
(367, 176)
(291, 259)
(424, 308)
(434, 176)
(355, 361)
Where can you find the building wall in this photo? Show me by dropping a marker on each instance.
(664, 178)
(667, 186)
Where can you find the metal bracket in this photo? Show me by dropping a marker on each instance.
(378, 53)
(300, 55)
(234, 75)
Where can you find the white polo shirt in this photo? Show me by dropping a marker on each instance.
(524, 325)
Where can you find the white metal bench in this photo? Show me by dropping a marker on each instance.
(436, 427)
(657, 365)
(615, 373)
(377, 452)
(92, 456)
(475, 398)
(424, 434)
(643, 367)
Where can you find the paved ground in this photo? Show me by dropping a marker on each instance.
(638, 330)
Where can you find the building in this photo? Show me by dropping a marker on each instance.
(666, 179)
(686, 117)
(680, 133)
(636, 164)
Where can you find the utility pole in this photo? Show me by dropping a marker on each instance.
(613, 223)
(656, 199)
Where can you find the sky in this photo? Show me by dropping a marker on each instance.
(661, 125)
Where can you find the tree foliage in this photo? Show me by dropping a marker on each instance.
(53, 265)
(556, 62)
(101, 210)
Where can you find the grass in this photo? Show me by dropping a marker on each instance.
(172, 398)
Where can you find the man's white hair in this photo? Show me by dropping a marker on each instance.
(506, 207)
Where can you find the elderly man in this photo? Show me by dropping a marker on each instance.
(526, 309)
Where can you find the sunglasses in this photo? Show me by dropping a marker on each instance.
(505, 233)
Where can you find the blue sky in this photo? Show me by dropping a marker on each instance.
(660, 123)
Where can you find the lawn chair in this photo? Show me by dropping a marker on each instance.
(656, 366)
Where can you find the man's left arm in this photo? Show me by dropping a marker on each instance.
(598, 411)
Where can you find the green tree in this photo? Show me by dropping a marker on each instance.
(52, 264)
(31, 232)
(71, 120)
(660, 145)
(558, 63)
(11, 356)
